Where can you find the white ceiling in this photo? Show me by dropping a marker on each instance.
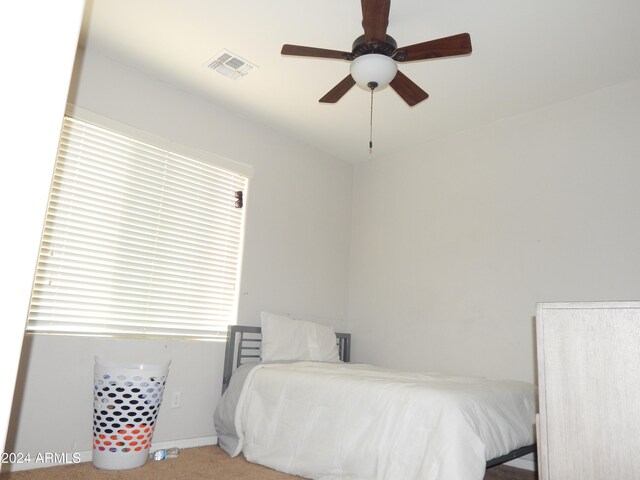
(526, 54)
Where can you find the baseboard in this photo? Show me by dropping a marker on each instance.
(44, 460)
(527, 462)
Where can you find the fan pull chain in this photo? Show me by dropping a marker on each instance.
(372, 86)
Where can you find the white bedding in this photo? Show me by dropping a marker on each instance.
(354, 421)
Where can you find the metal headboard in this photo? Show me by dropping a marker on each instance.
(243, 346)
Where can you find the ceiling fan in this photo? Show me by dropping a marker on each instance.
(374, 56)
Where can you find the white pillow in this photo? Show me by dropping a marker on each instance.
(284, 338)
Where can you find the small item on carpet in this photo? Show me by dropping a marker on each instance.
(164, 453)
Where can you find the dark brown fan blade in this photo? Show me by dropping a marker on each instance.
(313, 52)
(375, 18)
(337, 92)
(409, 91)
(443, 47)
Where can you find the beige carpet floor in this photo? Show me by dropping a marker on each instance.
(201, 463)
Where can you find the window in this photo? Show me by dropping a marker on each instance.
(138, 240)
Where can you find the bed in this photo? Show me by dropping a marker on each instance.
(337, 420)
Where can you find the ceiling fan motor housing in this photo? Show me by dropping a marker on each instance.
(362, 47)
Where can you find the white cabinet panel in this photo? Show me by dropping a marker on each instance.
(589, 385)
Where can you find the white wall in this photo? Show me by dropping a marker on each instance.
(455, 242)
(37, 55)
(296, 261)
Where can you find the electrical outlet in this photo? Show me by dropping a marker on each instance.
(175, 400)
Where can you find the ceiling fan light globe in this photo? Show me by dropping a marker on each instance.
(373, 68)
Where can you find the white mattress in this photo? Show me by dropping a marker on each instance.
(354, 421)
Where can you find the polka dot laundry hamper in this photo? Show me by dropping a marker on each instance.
(126, 400)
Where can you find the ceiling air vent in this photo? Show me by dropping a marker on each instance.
(230, 65)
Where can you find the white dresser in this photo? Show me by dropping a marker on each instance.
(589, 385)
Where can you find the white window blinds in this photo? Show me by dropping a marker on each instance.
(137, 241)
